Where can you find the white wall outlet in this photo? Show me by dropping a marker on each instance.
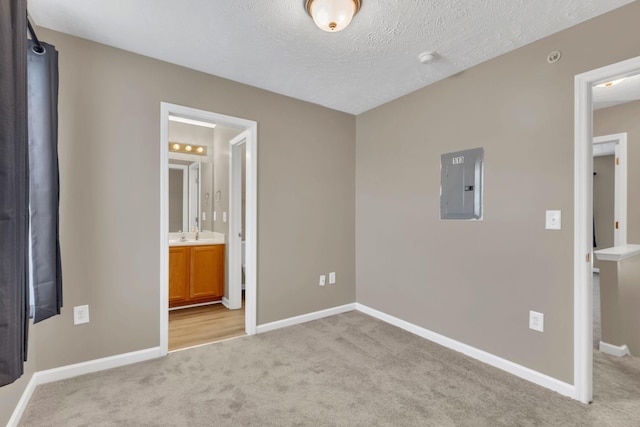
(332, 278)
(80, 314)
(224, 217)
(204, 216)
(322, 280)
(554, 220)
(536, 321)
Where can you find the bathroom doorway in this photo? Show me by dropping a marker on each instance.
(585, 105)
(197, 282)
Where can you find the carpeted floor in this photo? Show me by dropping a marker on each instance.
(345, 370)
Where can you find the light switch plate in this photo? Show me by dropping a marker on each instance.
(554, 220)
(224, 216)
(332, 278)
(322, 280)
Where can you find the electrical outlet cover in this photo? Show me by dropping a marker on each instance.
(332, 278)
(536, 321)
(322, 281)
(80, 314)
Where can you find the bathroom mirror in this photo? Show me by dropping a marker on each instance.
(185, 198)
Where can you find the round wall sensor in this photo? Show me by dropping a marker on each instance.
(426, 57)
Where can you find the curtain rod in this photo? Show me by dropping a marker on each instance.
(38, 48)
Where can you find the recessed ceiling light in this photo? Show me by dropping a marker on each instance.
(611, 83)
(192, 122)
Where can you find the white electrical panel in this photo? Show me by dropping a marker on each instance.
(461, 179)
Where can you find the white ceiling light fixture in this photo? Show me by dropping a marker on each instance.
(332, 15)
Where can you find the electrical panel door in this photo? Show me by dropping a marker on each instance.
(461, 176)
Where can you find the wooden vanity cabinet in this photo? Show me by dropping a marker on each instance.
(196, 274)
(178, 275)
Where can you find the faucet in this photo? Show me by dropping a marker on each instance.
(183, 238)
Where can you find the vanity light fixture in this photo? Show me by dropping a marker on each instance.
(176, 147)
(332, 15)
(611, 83)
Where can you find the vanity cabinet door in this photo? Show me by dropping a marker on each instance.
(207, 271)
(178, 275)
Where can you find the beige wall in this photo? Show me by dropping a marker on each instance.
(109, 134)
(618, 119)
(475, 281)
(603, 202)
(620, 297)
(221, 139)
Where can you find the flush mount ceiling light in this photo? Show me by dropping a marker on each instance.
(332, 15)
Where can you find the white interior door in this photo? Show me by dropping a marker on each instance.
(235, 220)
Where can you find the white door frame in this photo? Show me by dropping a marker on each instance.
(619, 142)
(235, 220)
(583, 220)
(251, 223)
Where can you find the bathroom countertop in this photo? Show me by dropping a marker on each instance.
(618, 253)
(205, 238)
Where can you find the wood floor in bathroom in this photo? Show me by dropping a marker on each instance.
(202, 325)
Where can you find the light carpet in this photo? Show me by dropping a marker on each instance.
(344, 370)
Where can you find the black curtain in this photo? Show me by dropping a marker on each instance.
(46, 271)
(14, 184)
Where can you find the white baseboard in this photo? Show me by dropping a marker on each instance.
(488, 358)
(22, 403)
(305, 318)
(225, 302)
(614, 350)
(70, 371)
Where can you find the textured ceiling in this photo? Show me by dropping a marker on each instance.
(274, 44)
